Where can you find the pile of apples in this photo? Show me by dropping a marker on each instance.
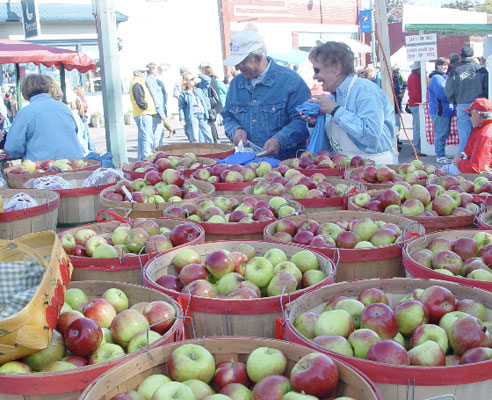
(160, 161)
(480, 185)
(354, 234)
(291, 183)
(229, 209)
(468, 257)
(141, 235)
(419, 201)
(29, 167)
(227, 173)
(428, 327)
(242, 274)
(195, 375)
(326, 160)
(155, 187)
(412, 172)
(94, 331)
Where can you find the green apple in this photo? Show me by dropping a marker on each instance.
(107, 337)
(150, 384)
(363, 245)
(335, 343)
(275, 256)
(289, 267)
(54, 352)
(361, 340)
(117, 298)
(75, 296)
(448, 319)
(432, 332)
(227, 284)
(276, 202)
(305, 260)
(399, 339)
(304, 324)
(65, 307)
(334, 322)
(200, 389)
(298, 396)
(15, 367)
(191, 361)
(480, 275)
(260, 271)
(106, 352)
(141, 340)
(410, 314)
(173, 391)
(264, 361)
(58, 366)
(353, 307)
(312, 277)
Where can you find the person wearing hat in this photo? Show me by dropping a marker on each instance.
(261, 101)
(143, 111)
(466, 83)
(359, 119)
(414, 99)
(45, 129)
(477, 157)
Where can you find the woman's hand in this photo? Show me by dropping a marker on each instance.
(311, 120)
(326, 104)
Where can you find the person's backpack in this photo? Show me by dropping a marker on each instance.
(213, 94)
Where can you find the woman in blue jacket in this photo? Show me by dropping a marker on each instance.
(194, 107)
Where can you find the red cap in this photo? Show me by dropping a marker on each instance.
(480, 104)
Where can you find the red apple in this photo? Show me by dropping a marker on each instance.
(83, 336)
(100, 311)
(315, 374)
(184, 233)
(170, 282)
(439, 300)
(230, 372)
(192, 272)
(388, 352)
(160, 315)
(381, 319)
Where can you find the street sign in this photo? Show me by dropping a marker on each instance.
(365, 18)
(421, 47)
(30, 17)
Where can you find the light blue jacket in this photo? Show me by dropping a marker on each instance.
(44, 130)
(186, 100)
(157, 94)
(269, 109)
(368, 118)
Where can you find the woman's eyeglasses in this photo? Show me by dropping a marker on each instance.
(316, 70)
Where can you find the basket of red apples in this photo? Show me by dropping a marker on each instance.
(237, 287)
(313, 192)
(464, 257)
(147, 197)
(208, 150)
(234, 217)
(422, 337)
(385, 176)
(233, 368)
(474, 184)
(365, 245)
(17, 175)
(160, 161)
(102, 324)
(324, 162)
(116, 250)
(36, 218)
(432, 206)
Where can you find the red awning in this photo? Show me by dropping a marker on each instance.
(13, 51)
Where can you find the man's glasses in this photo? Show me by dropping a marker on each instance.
(316, 70)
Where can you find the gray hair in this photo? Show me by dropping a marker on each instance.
(261, 52)
(486, 115)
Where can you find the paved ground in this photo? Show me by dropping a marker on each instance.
(98, 135)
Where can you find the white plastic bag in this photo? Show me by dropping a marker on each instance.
(103, 176)
(20, 201)
(53, 182)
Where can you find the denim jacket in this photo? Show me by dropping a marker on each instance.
(269, 109)
(156, 92)
(185, 101)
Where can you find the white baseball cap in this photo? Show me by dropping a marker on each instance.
(241, 45)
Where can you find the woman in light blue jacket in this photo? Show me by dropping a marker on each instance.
(194, 107)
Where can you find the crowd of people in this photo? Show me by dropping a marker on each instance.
(270, 107)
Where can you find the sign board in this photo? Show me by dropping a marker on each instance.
(365, 18)
(30, 18)
(421, 47)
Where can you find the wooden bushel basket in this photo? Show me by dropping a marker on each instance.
(79, 205)
(415, 270)
(485, 221)
(128, 376)
(377, 186)
(215, 316)
(365, 263)
(204, 162)
(470, 381)
(326, 204)
(68, 385)
(470, 177)
(128, 268)
(42, 217)
(238, 230)
(210, 150)
(431, 224)
(149, 210)
(29, 330)
(223, 188)
(17, 181)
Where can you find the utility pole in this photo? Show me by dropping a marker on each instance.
(111, 83)
(373, 36)
(382, 34)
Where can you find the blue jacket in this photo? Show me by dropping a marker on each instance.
(156, 92)
(185, 101)
(269, 109)
(44, 130)
(369, 117)
(438, 102)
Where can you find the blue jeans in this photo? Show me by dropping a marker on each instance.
(416, 127)
(442, 126)
(451, 169)
(199, 129)
(464, 126)
(157, 129)
(145, 136)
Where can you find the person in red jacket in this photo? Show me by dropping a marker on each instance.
(478, 150)
(414, 99)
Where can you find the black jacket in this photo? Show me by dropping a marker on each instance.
(467, 82)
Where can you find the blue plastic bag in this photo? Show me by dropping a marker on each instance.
(106, 159)
(318, 140)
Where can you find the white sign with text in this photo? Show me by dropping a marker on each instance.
(421, 47)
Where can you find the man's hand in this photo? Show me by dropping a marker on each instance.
(326, 104)
(240, 136)
(271, 147)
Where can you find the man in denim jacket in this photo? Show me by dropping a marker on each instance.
(261, 101)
